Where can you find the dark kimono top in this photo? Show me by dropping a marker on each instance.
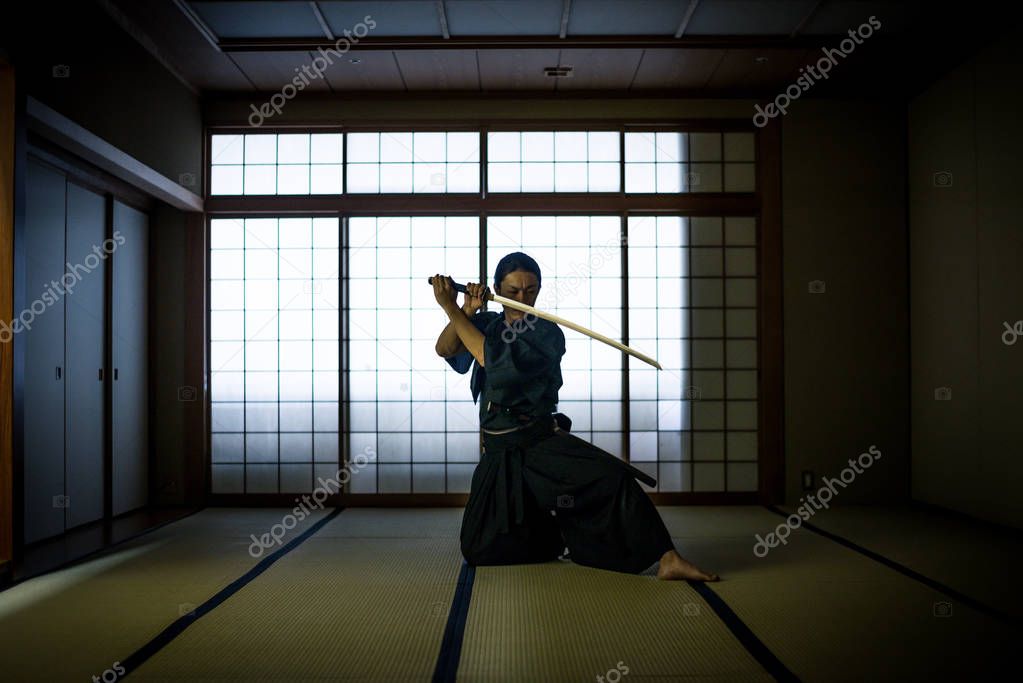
(522, 368)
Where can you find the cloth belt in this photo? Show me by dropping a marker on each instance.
(563, 421)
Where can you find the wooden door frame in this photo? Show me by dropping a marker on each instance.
(10, 186)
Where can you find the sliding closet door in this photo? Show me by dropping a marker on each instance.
(43, 343)
(86, 323)
(130, 315)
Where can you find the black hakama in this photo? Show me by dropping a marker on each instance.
(600, 513)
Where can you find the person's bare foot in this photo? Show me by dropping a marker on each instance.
(674, 568)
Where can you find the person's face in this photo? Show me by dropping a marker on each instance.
(519, 285)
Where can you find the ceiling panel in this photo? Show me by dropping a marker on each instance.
(834, 18)
(676, 68)
(780, 70)
(404, 18)
(376, 70)
(740, 69)
(914, 45)
(260, 19)
(748, 17)
(736, 70)
(185, 48)
(626, 17)
(439, 69)
(271, 71)
(599, 69)
(503, 17)
(516, 69)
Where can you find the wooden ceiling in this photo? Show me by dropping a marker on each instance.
(701, 48)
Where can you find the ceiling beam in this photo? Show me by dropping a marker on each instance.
(143, 39)
(442, 15)
(685, 19)
(806, 19)
(529, 42)
(315, 7)
(199, 24)
(565, 11)
(68, 135)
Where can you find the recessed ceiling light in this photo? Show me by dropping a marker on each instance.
(558, 71)
(354, 60)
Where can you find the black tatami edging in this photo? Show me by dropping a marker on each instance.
(744, 635)
(981, 607)
(162, 639)
(454, 632)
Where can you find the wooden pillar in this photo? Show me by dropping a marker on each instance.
(7, 133)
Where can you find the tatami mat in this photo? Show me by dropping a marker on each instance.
(75, 623)
(396, 523)
(832, 614)
(338, 607)
(367, 598)
(563, 622)
(978, 560)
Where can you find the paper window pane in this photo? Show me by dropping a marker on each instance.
(293, 149)
(227, 149)
(226, 180)
(326, 148)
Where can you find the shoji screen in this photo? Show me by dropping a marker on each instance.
(692, 298)
(407, 404)
(274, 353)
(580, 263)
